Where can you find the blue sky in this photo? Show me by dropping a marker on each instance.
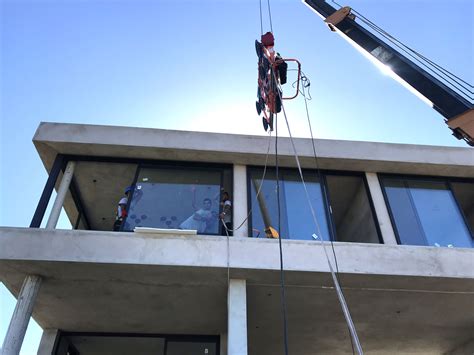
(191, 65)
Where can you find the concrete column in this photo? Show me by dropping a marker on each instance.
(237, 318)
(240, 201)
(48, 339)
(21, 315)
(62, 191)
(381, 211)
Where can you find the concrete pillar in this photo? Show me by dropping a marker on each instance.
(48, 339)
(237, 318)
(388, 235)
(21, 315)
(62, 191)
(240, 201)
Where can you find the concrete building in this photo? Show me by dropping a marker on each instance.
(401, 218)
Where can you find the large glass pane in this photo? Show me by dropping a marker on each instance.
(439, 215)
(191, 348)
(426, 213)
(110, 345)
(406, 221)
(298, 212)
(182, 198)
(296, 220)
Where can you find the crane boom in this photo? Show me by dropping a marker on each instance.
(457, 110)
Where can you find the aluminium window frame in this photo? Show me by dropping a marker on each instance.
(186, 166)
(167, 337)
(60, 164)
(447, 180)
(325, 195)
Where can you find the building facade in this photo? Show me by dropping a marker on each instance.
(395, 221)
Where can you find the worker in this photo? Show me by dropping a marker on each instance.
(121, 213)
(226, 214)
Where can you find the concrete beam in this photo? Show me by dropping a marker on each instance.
(250, 254)
(237, 318)
(240, 201)
(386, 228)
(48, 339)
(21, 316)
(61, 195)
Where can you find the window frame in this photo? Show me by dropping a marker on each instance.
(447, 180)
(181, 165)
(167, 338)
(325, 196)
(60, 164)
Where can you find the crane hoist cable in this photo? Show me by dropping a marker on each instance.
(270, 98)
(269, 61)
(306, 84)
(342, 300)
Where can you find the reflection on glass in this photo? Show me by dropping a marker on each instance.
(296, 221)
(190, 348)
(426, 213)
(176, 198)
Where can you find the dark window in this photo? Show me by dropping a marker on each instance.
(125, 344)
(351, 210)
(177, 198)
(425, 212)
(191, 348)
(464, 194)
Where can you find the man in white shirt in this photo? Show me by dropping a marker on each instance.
(226, 215)
(122, 209)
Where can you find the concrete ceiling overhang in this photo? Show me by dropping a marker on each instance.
(402, 299)
(144, 143)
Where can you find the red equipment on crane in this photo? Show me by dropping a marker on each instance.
(272, 73)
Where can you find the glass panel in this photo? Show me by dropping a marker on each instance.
(439, 215)
(300, 219)
(110, 345)
(190, 348)
(176, 198)
(296, 218)
(351, 211)
(265, 208)
(407, 223)
(426, 213)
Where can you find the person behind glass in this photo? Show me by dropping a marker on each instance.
(201, 219)
(122, 209)
(226, 214)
